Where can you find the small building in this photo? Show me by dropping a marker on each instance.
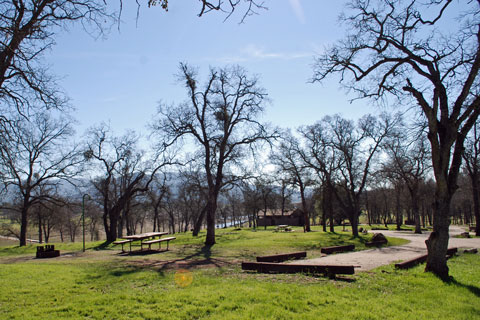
(274, 218)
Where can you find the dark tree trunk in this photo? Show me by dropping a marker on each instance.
(23, 227)
(211, 208)
(198, 224)
(306, 216)
(113, 217)
(353, 217)
(416, 211)
(325, 210)
(155, 219)
(398, 211)
(437, 243)
(105, 223)
(40, 238)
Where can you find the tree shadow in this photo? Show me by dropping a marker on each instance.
(473, 289)
(141, 252)
(102, 246)
(205, 252)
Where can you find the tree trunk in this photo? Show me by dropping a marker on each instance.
(398, 211)
(265, 218)
(23, 227)
(437, 243)
(353, 217)
(198, 224)
(416, 213)
(330, 209)
(105, 223)
(306, 216)
(112, 234)
(211, 208)
(39, 216)
(325, 204)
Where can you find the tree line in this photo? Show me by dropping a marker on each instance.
(395, 52)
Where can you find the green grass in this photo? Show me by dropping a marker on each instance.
(83, 289)
(231, 244)
(101, 284)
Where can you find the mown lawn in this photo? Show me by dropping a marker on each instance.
(101, 284)
(231, 244)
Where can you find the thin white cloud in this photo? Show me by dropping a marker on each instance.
(298, 10)
(254, 52)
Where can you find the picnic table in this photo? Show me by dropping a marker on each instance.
(283, 227)
(147, 238)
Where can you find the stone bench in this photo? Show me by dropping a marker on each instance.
(333, 249)
(282, 257)
(421, 259)
(328, 270)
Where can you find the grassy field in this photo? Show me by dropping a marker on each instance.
(103, 284)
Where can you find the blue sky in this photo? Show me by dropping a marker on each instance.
(122, 78)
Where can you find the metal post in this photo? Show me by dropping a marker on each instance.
(83, 218)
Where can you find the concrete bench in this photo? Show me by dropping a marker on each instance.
(421, 259)
(159, 241)
(122, 242)
(328, 270)
(282, 257)
(345, 248)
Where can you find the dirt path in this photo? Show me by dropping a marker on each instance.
(370, 259)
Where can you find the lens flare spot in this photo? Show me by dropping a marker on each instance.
(183, 278)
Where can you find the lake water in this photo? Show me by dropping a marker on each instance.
(7, 243)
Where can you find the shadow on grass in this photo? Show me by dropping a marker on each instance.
(102, 246)
(128, 270)
(473, 289)
(205, 252)
(141, 252)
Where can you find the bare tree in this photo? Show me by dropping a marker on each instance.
(155, 196)
(27, 30)
(228, 7)
(222, 120)
(409, 161)
(36, 157)
(343, 154)
(252, 202)
(126, 172)
(410, 50)
(288, 159)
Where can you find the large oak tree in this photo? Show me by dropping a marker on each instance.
(220, 118)
(417, 52)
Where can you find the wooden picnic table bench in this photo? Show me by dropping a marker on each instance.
(142, 237)
(159, 241)
(122, 242)
(283, 227)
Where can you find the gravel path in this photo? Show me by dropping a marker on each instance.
(373, 258)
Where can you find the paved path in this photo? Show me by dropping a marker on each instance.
(369, 259)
